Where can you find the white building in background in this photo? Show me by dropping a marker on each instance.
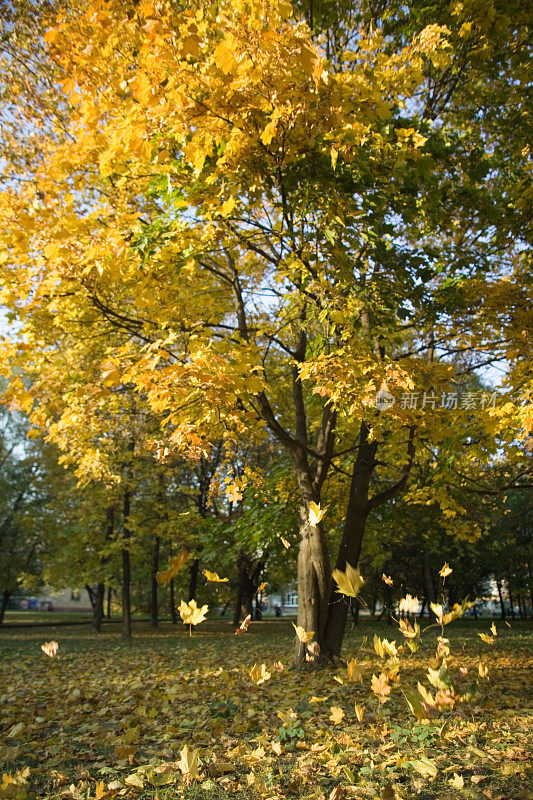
(47, 599)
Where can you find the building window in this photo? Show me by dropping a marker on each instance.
(291, 599)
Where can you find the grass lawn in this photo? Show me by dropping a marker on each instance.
(109, 718)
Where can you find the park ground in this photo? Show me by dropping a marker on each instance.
(108, 718)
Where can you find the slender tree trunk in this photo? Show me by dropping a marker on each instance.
(520, 610)
(430, 594)
(109, 597)
(193, 579)
(154, 606)
(126, 569)
(421, 615)
(238, 604)
(502, 606)
(352, 537)
(355, 607)
(511, 600)
(173, 614)
(226, 604)
(6, 594)
(98, 608)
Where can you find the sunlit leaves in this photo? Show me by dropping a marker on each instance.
(50, 648)
(188, 763)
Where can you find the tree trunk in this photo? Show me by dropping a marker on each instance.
(421, 615)
(314, 578)
(352, 537)
(109, 596)
(502, 606)
(6, 594)
(238, 604)
(355, 607)
(126, 569)
(154, 606)
(173, 614)
(98, 608)
(430, 594)
(511, 600)
(193, 580)
(520, 610)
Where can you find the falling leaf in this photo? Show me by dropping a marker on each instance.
(315, 513)
(381, 688)
(213, 577)
(482, 670)
(243, 627)
(487, 639)
(387, 580)
(359, 712)
(349, 582)
(286, 544)
(302, 634)
(50, 648)
(445, 570)
(409, 605)
(355, 671)
(493, 629)
(191, 614)
(277, 748)
(262, 586)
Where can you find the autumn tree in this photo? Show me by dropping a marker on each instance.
(273, 220)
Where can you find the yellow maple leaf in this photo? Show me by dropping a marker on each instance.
(485, 638)
(243, 627)
(337, 714)
(188, 763)
(213, 577)
(445, 570)
(50, 648)
(191, 614)
(386, 579)
(287, 717)
(359, 712)
(355, 670)
(259, 674)
(349, 582)
(302, 634)
(381, 688)
(316, 513)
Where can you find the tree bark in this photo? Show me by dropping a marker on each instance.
(154, 605)
(109, 596)
(98, 607)
(502, 605)
(6, 594)
(511, 600)
(430, 594)
(126, 569)
(238, 604)
(173, 614)
(352, 537)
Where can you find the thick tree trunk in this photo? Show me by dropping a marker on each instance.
(173, 614)
(98, 608)
(154, 605)
(193, 579)
(314, 578)
(6, 594)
